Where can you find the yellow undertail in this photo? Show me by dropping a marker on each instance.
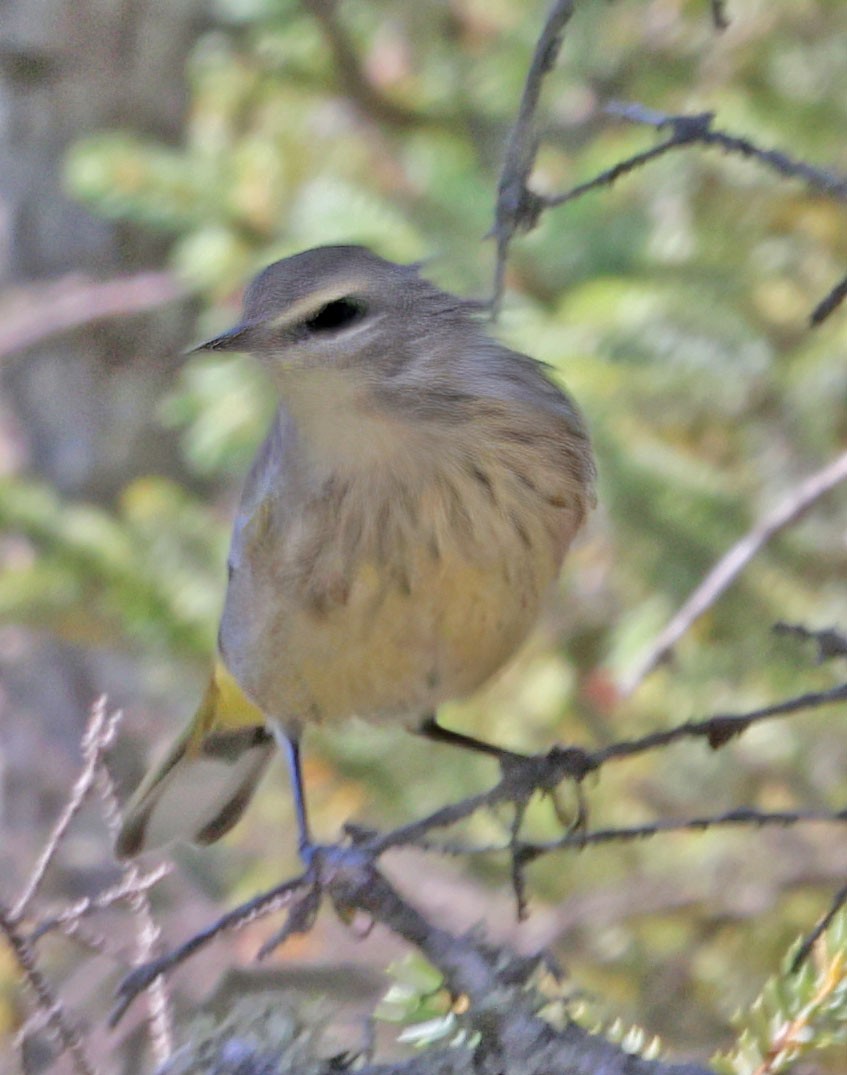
(203, 785)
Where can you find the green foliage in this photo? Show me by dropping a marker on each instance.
(419, 1004)
(144, 575)
(797, 1013)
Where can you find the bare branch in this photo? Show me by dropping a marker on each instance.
(148, 933)
(145, 975)
(733, 562)
(29, 315)
(97, 738)
(829, 303)
(355, 82)
(741, 817)
(822, 926)
(517, 206)
(830, 643)
(691, 129)
(47, 1002)
(128, 888)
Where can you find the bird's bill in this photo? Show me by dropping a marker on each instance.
(238, 338)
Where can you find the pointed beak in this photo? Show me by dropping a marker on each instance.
(239, 338)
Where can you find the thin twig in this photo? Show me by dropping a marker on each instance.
(148, 933)
(697, 128)
(544, 772)
(528, 851)
(144, 976)
(830, 643)
(517, 206)
(97, 738)
(129, 887)
(792, 508)
(743, 816)
(351, 74)
(694, 129)
(829, 303)
(31, 314)
(46, 1000)
(822, 926)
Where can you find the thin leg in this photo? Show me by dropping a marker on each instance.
(431, 729)
(291, 748)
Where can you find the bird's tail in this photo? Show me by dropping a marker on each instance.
(203, 785)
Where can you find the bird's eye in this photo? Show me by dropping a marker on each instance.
(336, 315)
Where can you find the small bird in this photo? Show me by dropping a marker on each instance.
(398, 531)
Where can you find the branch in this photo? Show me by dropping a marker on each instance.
(742, 817)
(830, 643)
(691, 129)
(829, 303)
(733, 562)
(521, 778)
(500, 1008)
(98, 736)
(47, 1002)
(29, 315)
(148, 933)
(355, 82)
(517, 206)
(127, 889)
(839, 901)
(686, 130)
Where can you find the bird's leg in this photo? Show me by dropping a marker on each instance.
(290, 746)
(431, 729)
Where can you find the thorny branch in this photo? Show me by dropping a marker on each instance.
(98, 737)
(148, 933)
(23, 928)
(519, 207)
(46, 1000)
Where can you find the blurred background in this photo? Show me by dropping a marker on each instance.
(152, 158)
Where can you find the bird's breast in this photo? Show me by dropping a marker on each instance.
(383, 599)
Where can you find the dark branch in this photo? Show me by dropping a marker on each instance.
(351, 74)
(517, 206)
(809, 943)
(511, 1036)
(830, 643)
(719, 16)
(47, 1002)
(829, 303)
(688, 130)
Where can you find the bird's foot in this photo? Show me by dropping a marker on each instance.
(525, 774)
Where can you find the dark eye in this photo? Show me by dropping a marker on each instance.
(335, 315)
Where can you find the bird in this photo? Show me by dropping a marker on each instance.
(398, 533)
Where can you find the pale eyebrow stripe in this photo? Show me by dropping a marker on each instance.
(310, 304)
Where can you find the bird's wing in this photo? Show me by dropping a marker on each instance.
(207, 778)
